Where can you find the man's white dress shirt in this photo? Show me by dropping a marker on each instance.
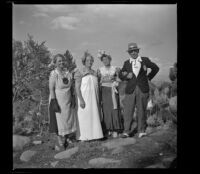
(136, 65)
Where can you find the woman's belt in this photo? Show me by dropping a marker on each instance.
(113, 86)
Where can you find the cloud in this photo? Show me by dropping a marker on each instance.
(136, 18)
(65, 22)
(51, 8)
(151, 44)
(40, 15)
(86, 45)
(60, 8)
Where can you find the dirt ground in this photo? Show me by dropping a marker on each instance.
(156, 150)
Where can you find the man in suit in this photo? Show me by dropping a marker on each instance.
(137, 90)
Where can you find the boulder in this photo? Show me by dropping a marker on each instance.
(37, 142)
(19, 142)
(117, 150)
(27, 155)
(116, 143)
(159, 165)
(67, 153)
(173, 104)
(168, 160)
(53, 164)
(102, 161)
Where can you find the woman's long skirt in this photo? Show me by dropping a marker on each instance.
(112, 119)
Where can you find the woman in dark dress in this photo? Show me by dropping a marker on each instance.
(108, 75)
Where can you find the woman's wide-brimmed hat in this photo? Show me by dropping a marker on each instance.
(132, 46)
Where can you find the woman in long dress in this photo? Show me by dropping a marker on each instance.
(112, 119)
(89, 125)
(60, 82)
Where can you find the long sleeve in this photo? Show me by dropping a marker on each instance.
(154, 69)
(52, 83)
(121, 75)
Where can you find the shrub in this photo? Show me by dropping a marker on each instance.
(154, 121)
(31, 72)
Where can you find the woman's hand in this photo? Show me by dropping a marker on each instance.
(108, 78)
(118, 70)
(130, 75)
(98, 73)
(82, 104)
(124, 73)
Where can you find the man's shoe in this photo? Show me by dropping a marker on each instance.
(114, 135)
(125, 135)
(142, 134)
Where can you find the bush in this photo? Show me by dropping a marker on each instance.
(164, 107)
(154, 121)
(31, 72)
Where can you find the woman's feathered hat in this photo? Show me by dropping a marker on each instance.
(102, 53)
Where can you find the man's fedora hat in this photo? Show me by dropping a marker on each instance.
(132, 46)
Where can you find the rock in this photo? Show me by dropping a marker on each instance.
(157, 144)
(159, 165)
(19, 142)
(167, 161)
(173, 104)
(104, 154)
(149, 130)
(102, 161)
(67, 153)
(173, 164)
(115, 143)
(37, 142)
(27, 155)
(14, 154)
(56, 148)
(117, 150)
(166, 126)
(30, 166)
(53, 164)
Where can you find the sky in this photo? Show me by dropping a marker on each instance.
(108, 27)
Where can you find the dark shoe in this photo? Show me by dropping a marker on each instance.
(124, 135)
(68, 141)
(133, 133)
(65, 145)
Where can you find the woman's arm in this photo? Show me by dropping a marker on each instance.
(117, 71)
(78, 91)
(52, 86)
(98, 75)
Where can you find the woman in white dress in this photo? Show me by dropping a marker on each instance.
(89, 125)
(60, 82)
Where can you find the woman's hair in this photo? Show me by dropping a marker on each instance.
(56, 56)
(86, 54)
(102, 53)
(105, 55)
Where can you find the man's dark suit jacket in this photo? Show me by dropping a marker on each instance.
(142, 79)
